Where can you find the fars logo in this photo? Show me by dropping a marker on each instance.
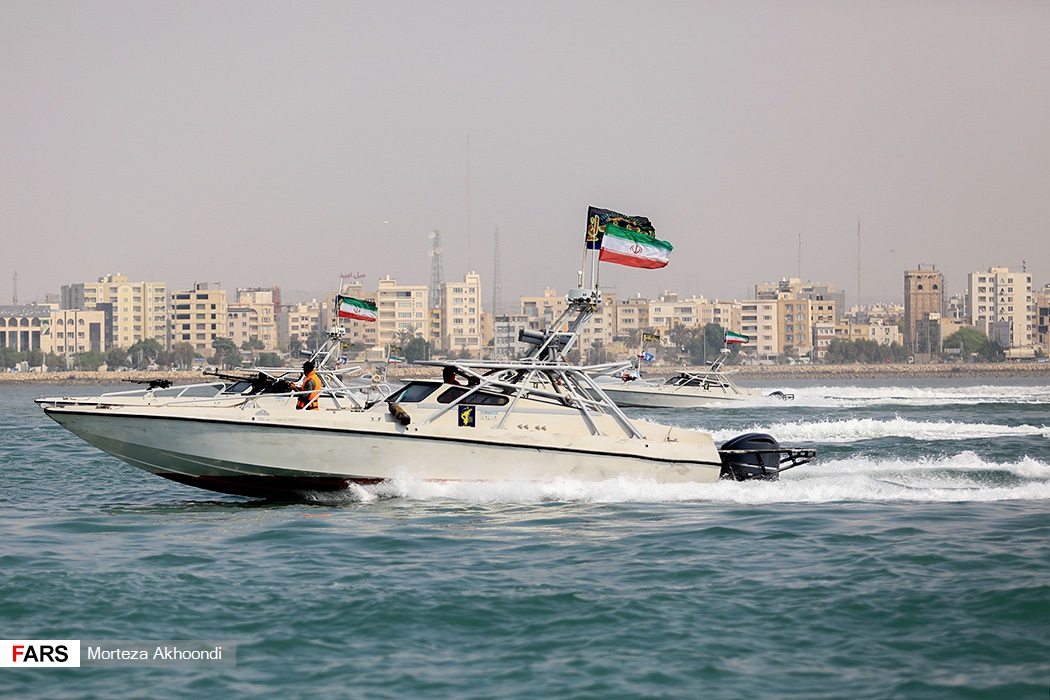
(23, 653)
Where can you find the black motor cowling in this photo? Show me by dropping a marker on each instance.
(759, 456)
(751, 456)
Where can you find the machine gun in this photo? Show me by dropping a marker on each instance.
(260, 382)
(151, 383)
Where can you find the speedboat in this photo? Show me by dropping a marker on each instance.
(686, 389)
(538, 418)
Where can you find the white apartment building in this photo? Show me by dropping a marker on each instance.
(1000, 303)
(300, 321)
(505, 330)
(460, 315)
(542, 311)
(601, 329)
(402, 311)
(727, 314)
(240, 320)
(884, 333)
(630, 317)
(668, 311)
(758, 320)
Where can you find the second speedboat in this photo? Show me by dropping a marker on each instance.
(686, 389)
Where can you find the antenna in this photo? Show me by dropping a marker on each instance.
(437, 272)
(800, 256)
(505, 333)
(858, 262)
(469, 267)
(497, 282)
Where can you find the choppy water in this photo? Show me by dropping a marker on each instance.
(912, 561)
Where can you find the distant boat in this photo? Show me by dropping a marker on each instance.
(711, 387)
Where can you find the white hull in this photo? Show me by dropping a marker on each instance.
(275, 450)
(660, 396)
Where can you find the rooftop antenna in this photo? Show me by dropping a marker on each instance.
(800, 256)
(437, 272)
(506, 336)
(497, 281)
(858, 262)
(14, 282)
(469, 267)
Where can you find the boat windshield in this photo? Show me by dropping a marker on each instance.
(241, 387)
(478, 398)
(413, 393)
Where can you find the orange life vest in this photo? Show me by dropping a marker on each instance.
(311, 383)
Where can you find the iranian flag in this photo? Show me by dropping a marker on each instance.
(732, 338)
(633, 249)
(357, 309)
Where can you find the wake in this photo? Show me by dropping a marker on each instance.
(950, 479)
(856, 396)
(858, 429)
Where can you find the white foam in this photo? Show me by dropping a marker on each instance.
(855, 429)
(838, 396)
(959, 478)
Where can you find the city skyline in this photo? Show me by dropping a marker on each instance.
(486, 302)
(260, 144)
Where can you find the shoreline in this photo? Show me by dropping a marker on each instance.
(1001, 369)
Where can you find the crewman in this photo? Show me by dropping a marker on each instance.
(311, 383)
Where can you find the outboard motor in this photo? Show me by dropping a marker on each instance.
(759, 456)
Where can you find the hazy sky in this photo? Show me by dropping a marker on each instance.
(283, 143)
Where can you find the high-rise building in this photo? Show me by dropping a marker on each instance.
(1041, 332)
(137, 310)
(923, 296)
(797, 289)
(256, 316)
(758, 320)
(402, 312)
(1001, 305)
(794, 325)
(460, 317)
(199, 317)
(300, 321)
(542, 311)
(630, 317)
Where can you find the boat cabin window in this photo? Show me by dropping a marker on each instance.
(413, 393)
(243, 387)
(479, 398)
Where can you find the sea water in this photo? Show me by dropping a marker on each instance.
(912, 560)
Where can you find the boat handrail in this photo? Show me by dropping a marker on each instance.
(180, 397)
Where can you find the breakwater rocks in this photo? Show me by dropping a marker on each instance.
(132, 380)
